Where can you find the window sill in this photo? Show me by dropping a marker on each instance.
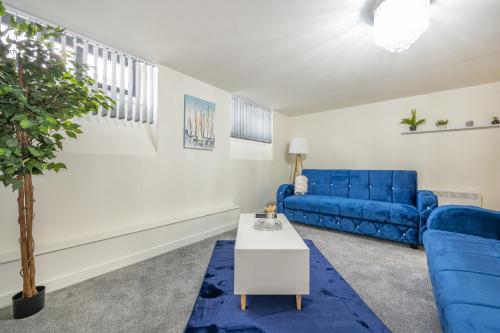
(113, 137)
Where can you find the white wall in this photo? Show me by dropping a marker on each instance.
(118, 179)
(250, 150)
(369, 137)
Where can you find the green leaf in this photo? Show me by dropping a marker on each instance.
(2, 9)
(6, 89)
(11, 142)
(2, 151)
(34, 152)
(56, 166)
(51, 120)
(19, 117)
(16, 184)
(59, 166)
(25, 123)
(43, 129)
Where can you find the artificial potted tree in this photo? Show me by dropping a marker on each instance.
(412, 121)
(41, 92)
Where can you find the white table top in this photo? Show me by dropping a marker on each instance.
(248, 238)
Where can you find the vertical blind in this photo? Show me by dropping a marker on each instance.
(251, 121)
(129, 81)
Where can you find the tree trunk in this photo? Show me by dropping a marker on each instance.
(28, 192)
(25, 206)
(23, 241)
(25, 220)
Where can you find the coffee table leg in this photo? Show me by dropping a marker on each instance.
(243, 302)
(298, 301)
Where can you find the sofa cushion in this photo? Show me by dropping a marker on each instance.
(344, 207)
(469, 287)
(404, 185)
(318, 181)
(466, 318)
(376, 211)
(398, 186)
(465, 273)
(391, 212)
(303, 202)
(439, 241)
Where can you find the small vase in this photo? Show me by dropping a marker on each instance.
(269, 218)
(441, 127)
(413, 128)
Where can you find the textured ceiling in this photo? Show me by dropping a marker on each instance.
(296, 56)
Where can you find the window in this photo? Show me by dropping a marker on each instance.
(251, 121)
(129, 81)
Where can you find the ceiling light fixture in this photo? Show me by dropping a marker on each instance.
(399, 23)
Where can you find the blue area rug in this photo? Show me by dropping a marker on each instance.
(332, 306)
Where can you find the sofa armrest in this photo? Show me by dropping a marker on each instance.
(466, 220)
(284, 191)
(426, 203)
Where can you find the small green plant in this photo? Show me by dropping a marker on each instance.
(495, 121)
(442, 122)
(412, 121)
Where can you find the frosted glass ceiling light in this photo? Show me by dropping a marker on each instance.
(399, 23)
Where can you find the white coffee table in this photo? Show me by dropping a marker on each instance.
(270, 262)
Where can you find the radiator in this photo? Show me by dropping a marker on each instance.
(459, 198)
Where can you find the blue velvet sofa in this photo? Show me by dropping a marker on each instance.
(380, 203)
(463, 254)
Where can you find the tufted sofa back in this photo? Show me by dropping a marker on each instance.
(398, 186)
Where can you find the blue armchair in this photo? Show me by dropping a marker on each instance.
(462, 244)
(380, 203)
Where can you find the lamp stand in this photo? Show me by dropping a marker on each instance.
(298, 166)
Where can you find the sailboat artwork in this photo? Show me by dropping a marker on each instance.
(199, 121)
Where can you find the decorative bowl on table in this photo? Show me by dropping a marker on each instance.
(266, 225)
(268, 221)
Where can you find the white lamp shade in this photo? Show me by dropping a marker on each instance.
(298, 146)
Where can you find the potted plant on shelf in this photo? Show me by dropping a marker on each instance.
(412, 121)
(495, 121)
(41, 92)
(442, 123)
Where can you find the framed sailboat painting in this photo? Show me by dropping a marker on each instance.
(199, 122)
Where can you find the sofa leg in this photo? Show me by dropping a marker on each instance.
(413, 246)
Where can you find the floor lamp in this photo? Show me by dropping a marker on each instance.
(298, 146)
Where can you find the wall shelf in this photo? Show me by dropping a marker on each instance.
(454, 129)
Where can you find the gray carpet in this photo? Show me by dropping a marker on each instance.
(157, 295)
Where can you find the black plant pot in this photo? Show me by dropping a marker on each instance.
(495, 122)
(413, 128)
(25, 307)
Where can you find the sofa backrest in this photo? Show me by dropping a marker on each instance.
(398, 186)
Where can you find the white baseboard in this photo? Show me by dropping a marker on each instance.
(59, 269)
